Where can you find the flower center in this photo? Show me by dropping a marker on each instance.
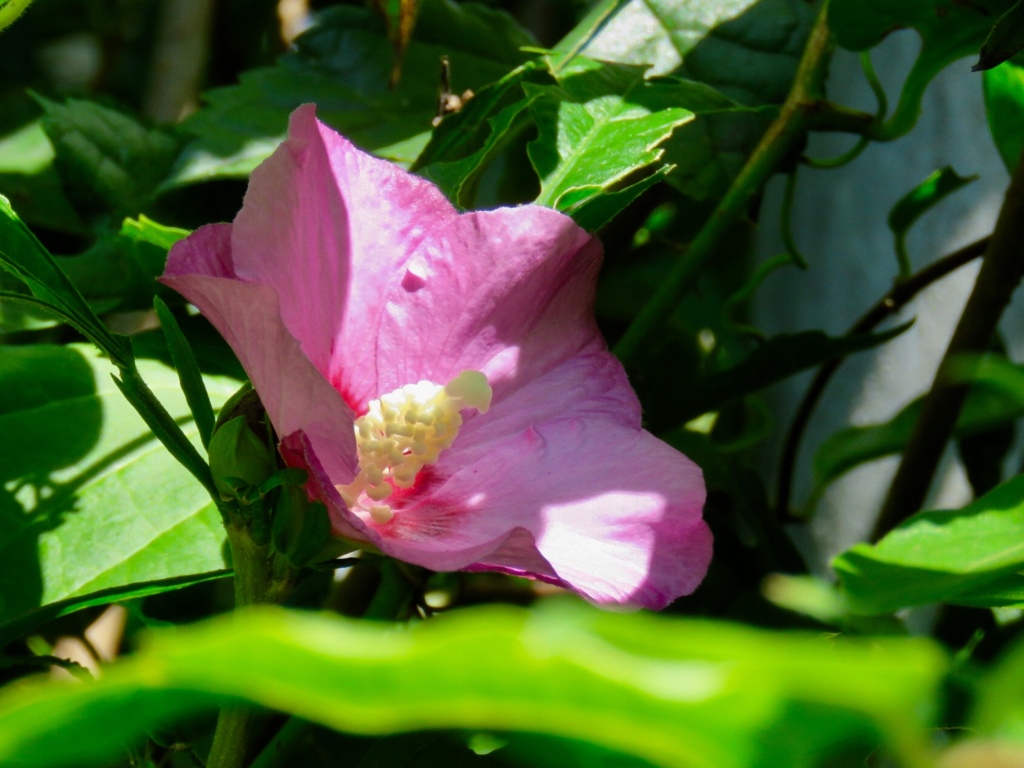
(403, 432)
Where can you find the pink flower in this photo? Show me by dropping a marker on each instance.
(344, 279)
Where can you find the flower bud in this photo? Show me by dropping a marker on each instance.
(238, 454)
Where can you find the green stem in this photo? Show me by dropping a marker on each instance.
(232, 735)
(781, 139)
(908, 109)
(893, 301)
(259, 578)
(1001, 271)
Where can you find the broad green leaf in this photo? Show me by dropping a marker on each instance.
(91, 501)
(1005, 39)
(949, 30)
(29, 180)
(918, 201)
(1004, 105)
(674, 692)
(107, 159)
(599, 125)
(343, 65)
(747, 49)
(948, 556)
(774, 360)
(986, 407)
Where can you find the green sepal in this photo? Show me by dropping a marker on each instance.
(301, 529)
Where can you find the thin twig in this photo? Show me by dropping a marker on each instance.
(1001, 270)
(889, 305)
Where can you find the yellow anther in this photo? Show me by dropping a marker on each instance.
(379, 492)
(404, 431)
(381, 513)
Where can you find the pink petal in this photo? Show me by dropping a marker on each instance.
(296, 395)
(508, 292)
(327, 226)
(614, 514)
(590, 385)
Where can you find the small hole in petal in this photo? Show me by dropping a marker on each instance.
(413, 282)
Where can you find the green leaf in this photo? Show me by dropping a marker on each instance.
(10, 10)
(711, 150)
(599, 125)
(913, 205)
(23, 255)
(91, 501)
(464, 133)
(747, 49)
(775, 360)
(457, 178)
(596, 207)
(343, 65)
(107, 159)
(116, 272)
(672, 691)
(941, 556)
(998, 710)
(1005, 39)
(985, 408)
(949, 30)
(13, 629)
(1004, 106)
(189, 375)
(145, 230)
(29, 180)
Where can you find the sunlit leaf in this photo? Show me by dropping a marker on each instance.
(91, 501)
(675, 692)
(747, 49)
(1004, 105)
(600, 124)
(949, 556)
